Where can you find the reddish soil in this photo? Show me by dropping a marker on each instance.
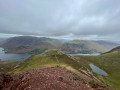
(51, 78)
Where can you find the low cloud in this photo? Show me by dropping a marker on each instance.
(88, 19)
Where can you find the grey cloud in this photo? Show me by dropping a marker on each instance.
(95, 19)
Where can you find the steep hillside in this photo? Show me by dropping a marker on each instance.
(2, 39)
(109, 62)
(108, 44)
(25, 44)
(8, 65)
(114, 50)
(48, 64)
(50, 57)
(35, 45)
(85, 46)
(57, 60)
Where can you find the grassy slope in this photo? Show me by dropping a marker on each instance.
(39, 61)
(109, 62)
(6, 66)
(53, 59)
(84, 46)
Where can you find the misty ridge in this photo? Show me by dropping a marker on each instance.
(29, 44)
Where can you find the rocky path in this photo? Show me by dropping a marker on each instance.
(50, 78)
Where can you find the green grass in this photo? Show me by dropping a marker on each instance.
(39, 61)
(109, 62)
(6, 66)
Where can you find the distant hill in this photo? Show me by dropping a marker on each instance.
(108, 44)
(114, 50)
(88, 46)
(35, 45)
(2, 39)
(24, 44)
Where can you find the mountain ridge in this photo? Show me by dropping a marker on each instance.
(75, 64)
(29, 44)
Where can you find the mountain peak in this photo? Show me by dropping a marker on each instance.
(52, 52)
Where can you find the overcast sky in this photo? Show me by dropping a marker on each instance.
(81, 19)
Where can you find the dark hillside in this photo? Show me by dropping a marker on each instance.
(25, 44)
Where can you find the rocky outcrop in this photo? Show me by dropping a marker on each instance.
(52, 78)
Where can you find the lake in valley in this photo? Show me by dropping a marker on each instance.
(23, 56)
(11, 56)
(97, 70)
(84, 54)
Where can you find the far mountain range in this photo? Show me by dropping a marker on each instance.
(35, 45)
